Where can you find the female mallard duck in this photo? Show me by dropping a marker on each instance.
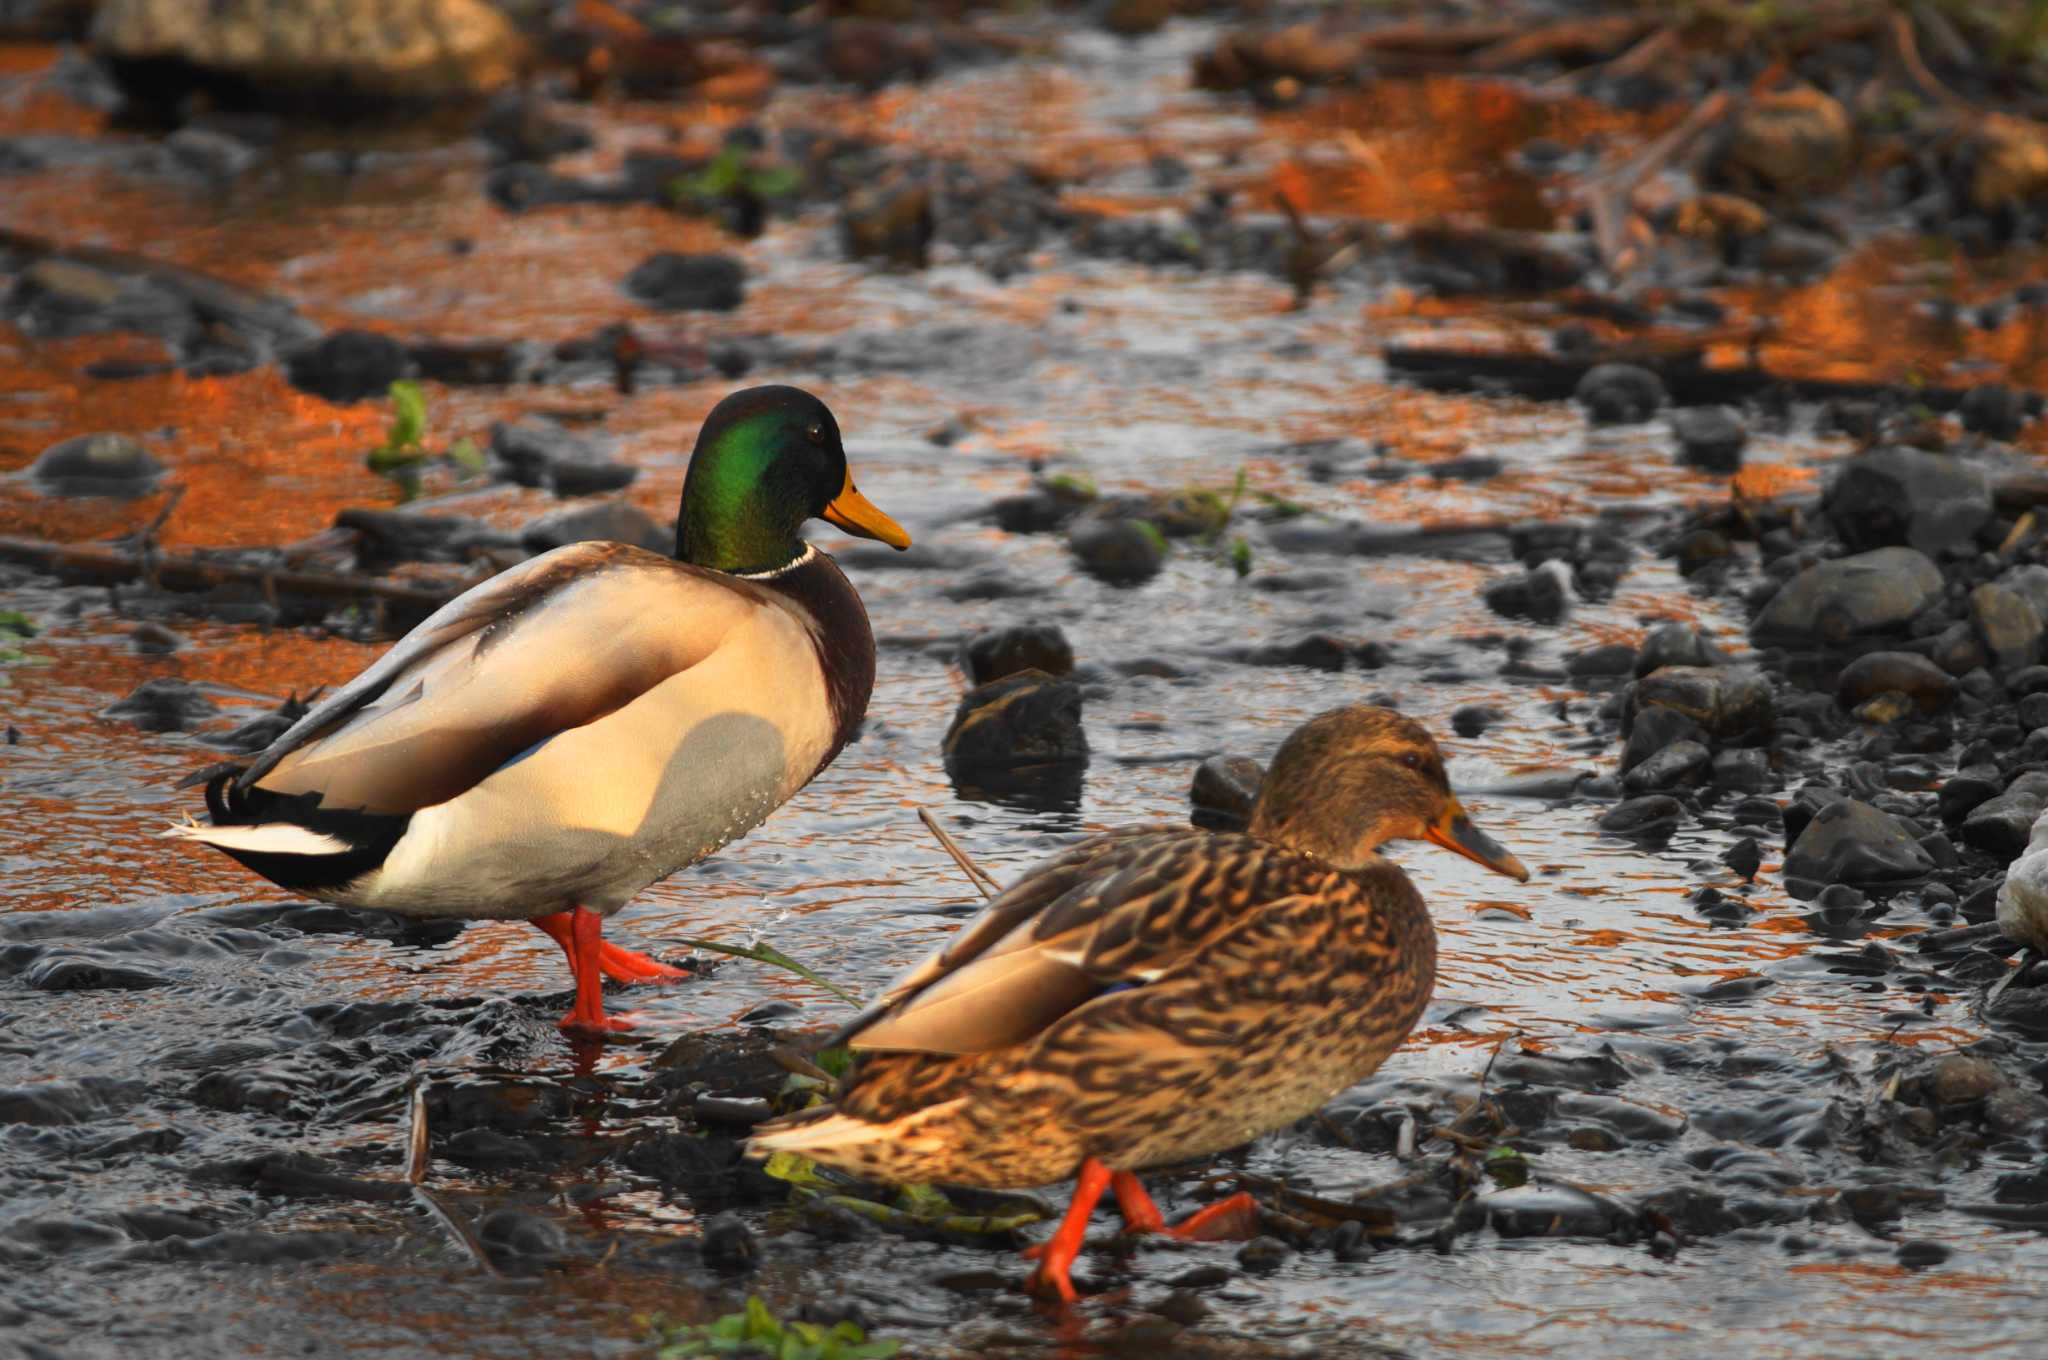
(1154, 995)
(561, 736)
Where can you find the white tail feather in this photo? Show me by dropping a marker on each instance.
(838, 1132)
(271, 838)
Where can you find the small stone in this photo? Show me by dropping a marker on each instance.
(1731, 704)
(1538, 596)
(1960, 1078)
(1650, 730)
(1119, 551)
(680, 282)
(96, 465)
(1649, 818)
(729, 1246)
(1926, 686)
(162, 705)
(1029, 718)
(1849, 841)
(1224, 791)
(1745, 857)
(1830, 602)
(1263, 1255)
(1679, 764)
(1884, 708)
(1473, 719)
(1676, 644)
(1610, 659)
(1620, 394)
(2007, 623)
(1995, 410)
(1710, 437)
(153, 639)
(614, 521)
(519, 1243)
(349, 366)
(1700, 549)
(1903, 496)
(1921, 1255)
(1030, 646)
(1785, 142)
(1743, 768)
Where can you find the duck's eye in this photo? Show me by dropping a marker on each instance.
(1412, 761)
(815, 432)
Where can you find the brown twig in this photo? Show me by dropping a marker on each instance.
(1607, 194)
(1905, 47)
(1559, 40)
(976, 875)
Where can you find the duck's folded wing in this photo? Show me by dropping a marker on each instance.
(550, 645)
(1116, 911)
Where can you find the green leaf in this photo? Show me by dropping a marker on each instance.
(16, 624)
(1241, 558)
(761, 1324)
(769, 954)
(1151, 531)
(775, 181)
(838, 1061)
(467, 456)
(408, 415)
(1507, 1166)
(795, 1168)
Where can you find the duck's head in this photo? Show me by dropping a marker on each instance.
(767, 459)
(1350, 780)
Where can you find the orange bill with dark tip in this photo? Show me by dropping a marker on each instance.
(1454, 831)
(857, 515)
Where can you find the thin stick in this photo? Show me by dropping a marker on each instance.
(976, 875)
(416, 1145)
(1607, 194)
(416, 1160)
(2021, 527)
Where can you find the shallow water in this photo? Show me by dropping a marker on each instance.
(1140, 379)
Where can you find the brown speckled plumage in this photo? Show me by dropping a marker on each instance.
(1157, 994)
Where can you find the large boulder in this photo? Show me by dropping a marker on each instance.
(1900, 496)
(1873, 592)
(299, 50)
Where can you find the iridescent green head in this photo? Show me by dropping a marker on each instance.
(767, 459)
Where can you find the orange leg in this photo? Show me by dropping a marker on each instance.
(1056, 1254)
(1235, 1217)
(620, 965)
(581, 936)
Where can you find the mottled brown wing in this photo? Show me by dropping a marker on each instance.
(1122, 908)
(550, 645)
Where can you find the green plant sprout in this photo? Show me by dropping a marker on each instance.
(758, 1332)
(403, 454)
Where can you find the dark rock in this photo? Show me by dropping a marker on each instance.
(729, 1246)
(610, 520)
(1966, 790)
(1620, 394)
(1677, 765)
(1119, 551)
(1901, 496)
(1700, 549)
(543, 454)
(1320, 651)
(162, 705)
(1922, 1255)
(2007, 623)
(519, 127)
(1957, 650)
(348, 365)
(1030, 646)
(698, 283)
(1829, 602)
(1676, 644)
(1929, 687)
(1473, 719)
(2001, 825)
(1224, 791)
(96, 465)
(520, 1243)
(1653, 729)
(1884, 708)
(1731, 704)
(1610, 659)
(1263, 1255)
(153, 639)
(1960, 1078)
(2030, 582)
(1852, 842)
(1745, 857)
(1710, 437)
(1649, 818)
(1028, 718)
(1744, 768)
(888, 221)
(1993, 409)
(1538, 596)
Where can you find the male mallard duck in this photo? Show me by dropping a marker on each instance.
(561, 736)
(1155, 994)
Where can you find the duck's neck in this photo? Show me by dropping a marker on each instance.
(733, 534)
(839, 629)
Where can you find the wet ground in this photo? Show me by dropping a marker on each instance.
(1706, 1102)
